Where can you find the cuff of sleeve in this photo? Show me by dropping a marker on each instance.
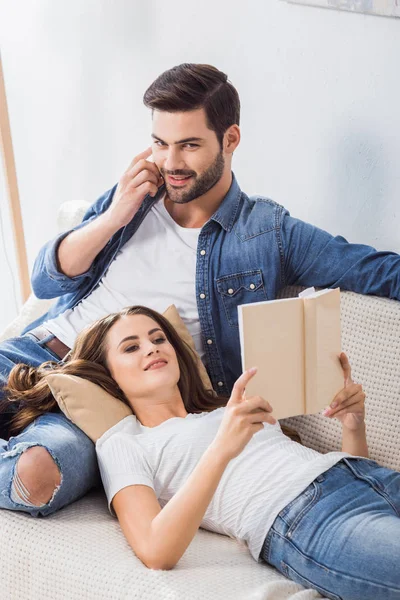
(124, 482)
(51, 263)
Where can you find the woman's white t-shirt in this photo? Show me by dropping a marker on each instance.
(255, 486)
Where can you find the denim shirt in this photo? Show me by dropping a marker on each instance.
(247, 251)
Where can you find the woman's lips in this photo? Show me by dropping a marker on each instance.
(157, 365)
(178, 182)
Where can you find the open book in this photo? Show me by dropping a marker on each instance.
(295, 343)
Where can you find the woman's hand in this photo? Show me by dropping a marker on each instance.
(348, 405)
(243, 417)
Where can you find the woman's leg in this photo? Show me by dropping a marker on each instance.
(61, 468)
(51, 462)
(341, 536)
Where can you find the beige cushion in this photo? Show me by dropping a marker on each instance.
(86, 404)
(93, 409)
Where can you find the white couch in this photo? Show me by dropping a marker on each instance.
(80, 553)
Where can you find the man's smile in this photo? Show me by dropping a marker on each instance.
(178, 180)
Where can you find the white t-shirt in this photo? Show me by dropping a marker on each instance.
(255, 486)
(155, 268)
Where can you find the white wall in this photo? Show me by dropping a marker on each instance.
(10, 292)
(319, 89)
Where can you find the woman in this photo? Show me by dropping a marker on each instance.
(189, 459)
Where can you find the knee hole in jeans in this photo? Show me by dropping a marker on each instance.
(37, 476)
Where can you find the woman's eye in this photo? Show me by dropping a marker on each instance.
(159, 340)
(131, 348)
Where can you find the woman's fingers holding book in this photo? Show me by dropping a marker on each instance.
(240, 421)
(344, 361)
(342, 397)
(349, 400)
(261, 416)
(353, 416)
(346, 394)
(256, 403)
(239, 387)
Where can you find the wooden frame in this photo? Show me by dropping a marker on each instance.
(385, 8)
(12, 191)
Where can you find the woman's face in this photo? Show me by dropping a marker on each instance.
(140, 358)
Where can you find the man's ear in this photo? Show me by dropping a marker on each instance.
(231, 139)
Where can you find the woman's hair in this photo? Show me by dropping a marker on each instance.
(191, 86)
(28, 386)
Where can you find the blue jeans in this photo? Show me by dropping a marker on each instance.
(73, 452)
(341, 536)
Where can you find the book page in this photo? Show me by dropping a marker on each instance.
(271, 337)
(323, 372)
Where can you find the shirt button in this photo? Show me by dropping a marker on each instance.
(209, 342)
(220, 383)
(252, 286)
(202, 252)
(202, 296)
(230, 291)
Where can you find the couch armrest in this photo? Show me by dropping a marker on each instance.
(69, 214)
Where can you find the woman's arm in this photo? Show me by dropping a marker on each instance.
(159, 537)
(355, 441)
(349, 408)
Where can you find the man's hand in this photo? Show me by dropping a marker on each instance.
(141, 178)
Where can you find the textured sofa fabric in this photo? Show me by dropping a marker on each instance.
(81, 553)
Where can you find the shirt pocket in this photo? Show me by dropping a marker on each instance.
(240, 288)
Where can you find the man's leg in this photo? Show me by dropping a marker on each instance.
(24, 349)
(51, 462)
(49, 465)
(36, 477)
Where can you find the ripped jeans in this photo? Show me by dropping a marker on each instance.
(72, 451)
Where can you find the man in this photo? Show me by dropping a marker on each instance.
(177, 230)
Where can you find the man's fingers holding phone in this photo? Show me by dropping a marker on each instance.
(141, 179)
(142, 163)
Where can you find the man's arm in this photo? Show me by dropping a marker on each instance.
(77, 251)
(48, 280)
(313, 257)
(65, 262)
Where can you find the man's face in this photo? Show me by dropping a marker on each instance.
(187, 154)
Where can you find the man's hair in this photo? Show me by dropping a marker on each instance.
(191, 86)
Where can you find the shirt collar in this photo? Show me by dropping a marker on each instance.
(227, 210)
(225, 215)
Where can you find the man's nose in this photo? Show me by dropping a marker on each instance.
(173, 161)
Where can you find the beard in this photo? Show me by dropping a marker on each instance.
(201, 183)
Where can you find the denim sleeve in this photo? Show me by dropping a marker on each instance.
(47, 280)
(314, 257)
